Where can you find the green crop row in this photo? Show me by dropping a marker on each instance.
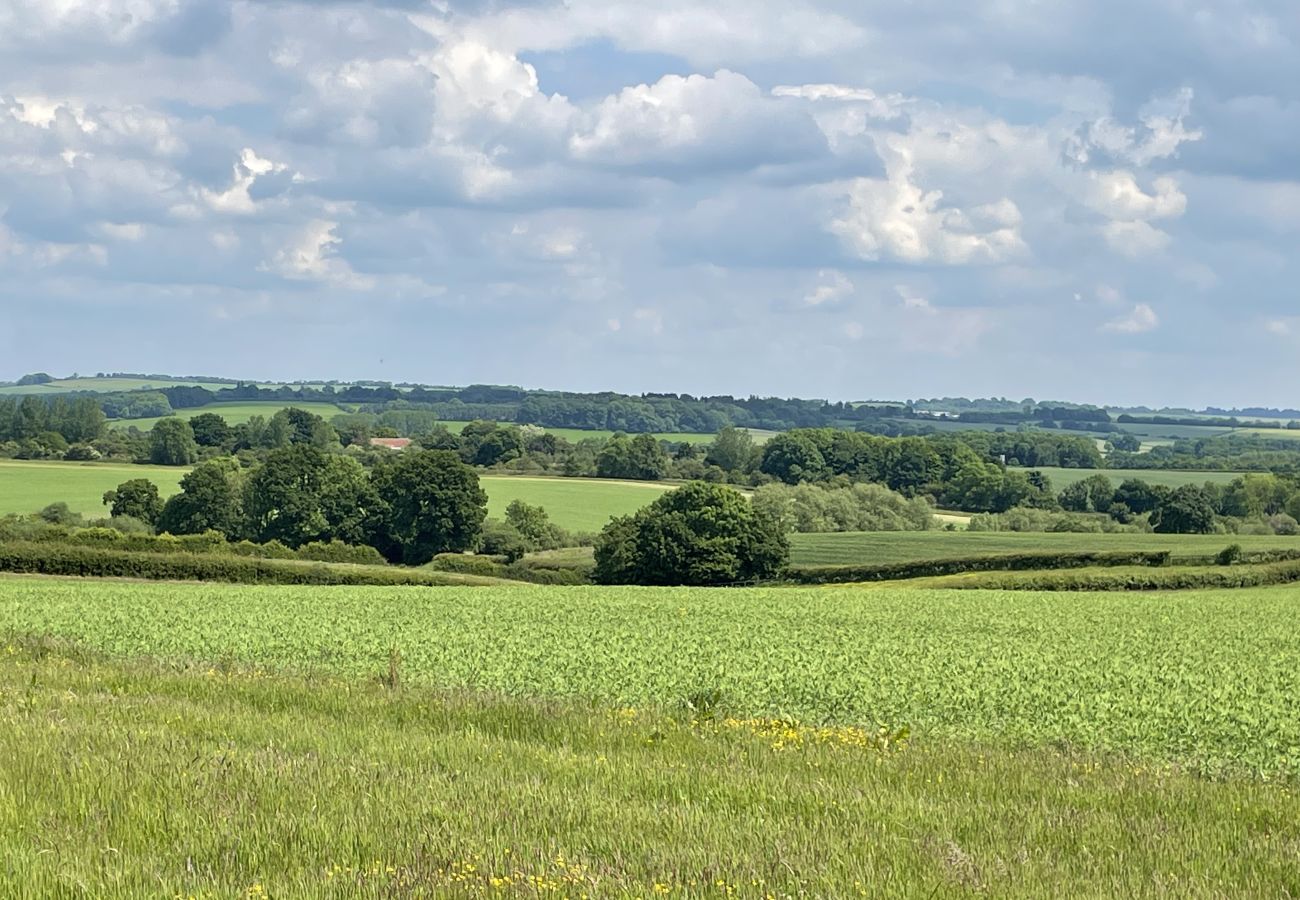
(1135, 579)
(1209, 680)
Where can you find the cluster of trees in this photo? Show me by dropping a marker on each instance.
(38, 426)
(1225, 453)
(700, 534)
(810, 508)
(410, 507)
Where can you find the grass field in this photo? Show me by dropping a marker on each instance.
(1062, 478)
(131, 780)
(580, 504)
(578, 434)
(1206, 680)
(29, 485)
(110, 385)
(236, 413)
(886, 547)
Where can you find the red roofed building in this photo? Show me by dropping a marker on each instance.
(391, 443)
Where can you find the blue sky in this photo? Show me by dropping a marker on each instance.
(1077, 199)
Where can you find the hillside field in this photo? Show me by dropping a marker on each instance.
(1063, 478)
(580, 504)
(887, 547)
(236, 413)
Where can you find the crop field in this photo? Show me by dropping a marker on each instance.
(1206, 680)
(886, 547)
(29, 485)
(236, 413)
(128, 779)
(580, 504)
(109, 385)
(1062, 478)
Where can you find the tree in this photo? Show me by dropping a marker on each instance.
(211, 499)
(531, 522)
(502, 539)
(283, 497)
(1139, 496)
(1128, 443)
(641, 458)
(732, 450)
(793, 458)
(432, 504)
(1186, 510)
(137, 498)
(172, 443)
(1093, 494)
(700, 534)
(210, 430)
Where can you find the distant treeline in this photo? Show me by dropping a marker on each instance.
(608, 411)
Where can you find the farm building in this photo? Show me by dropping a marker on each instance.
(391, 443)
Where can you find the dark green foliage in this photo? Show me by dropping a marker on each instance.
(1167, 579)
(100, 562)
(339, 552)
(700, 534)
(432, 504)
(1185, 510)
(465, 564)
(1230, 555)
(1092, 494)
(1000, 563)
(59, 514)
(792, 458)
(172, 443)
(502, 539)
(210, 430)
(137, 498)
(641, 458)
(211, 499)
(300, 495)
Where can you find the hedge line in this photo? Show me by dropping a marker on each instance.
(99, 562)
(1010, 562)
(1154, 580)
(473, 564)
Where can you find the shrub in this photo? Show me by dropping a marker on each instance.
(999, 563)
(503, 539)
(1229, 555)
(339, 552)
(465, 564)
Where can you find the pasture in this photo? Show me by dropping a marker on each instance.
(236, 413)
(888, 547)
(110, 385)
(29, 485)
(579, 504)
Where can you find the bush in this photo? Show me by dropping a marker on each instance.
(503, 539)
(465, 564)
(339, 552)
(1168, 579)
(700, 534)
(999, 563)
(1230, 555)
(98, 562)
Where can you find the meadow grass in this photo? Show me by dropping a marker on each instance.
(126, 780)
(29, 485)
(1207, 680)
(579, 504)
(1062, 478)
(888, 547)
(237, 413)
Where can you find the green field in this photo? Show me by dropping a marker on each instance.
(110, 385)
(580, 434)
(1163, 677)
(887, 547)
(236, 413)
(1062, 478)
(126, 780)
(579, 504)
(29, 485)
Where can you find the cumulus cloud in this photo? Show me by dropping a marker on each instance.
(693, 124)
(1141, 319)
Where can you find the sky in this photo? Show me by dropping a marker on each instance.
(1087, 200)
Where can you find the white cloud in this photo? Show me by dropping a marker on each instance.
(1118, 196)
(1135, 239)
(895, 218)
(236, 199)
(1141, 319)
(832, 288)
(696, 123)
(312, 255)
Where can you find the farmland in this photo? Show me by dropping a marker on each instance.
(247, 783)
(1063, 478)
(236, 413)
(582, 504)
(885, 548)
(581, 434)
(1163, 677)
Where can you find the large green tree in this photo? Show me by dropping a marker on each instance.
(700, 534)
(432, 504)
(137, 498)
(301, 494)
(1185, 510)
(211, 499)
(172, 443)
